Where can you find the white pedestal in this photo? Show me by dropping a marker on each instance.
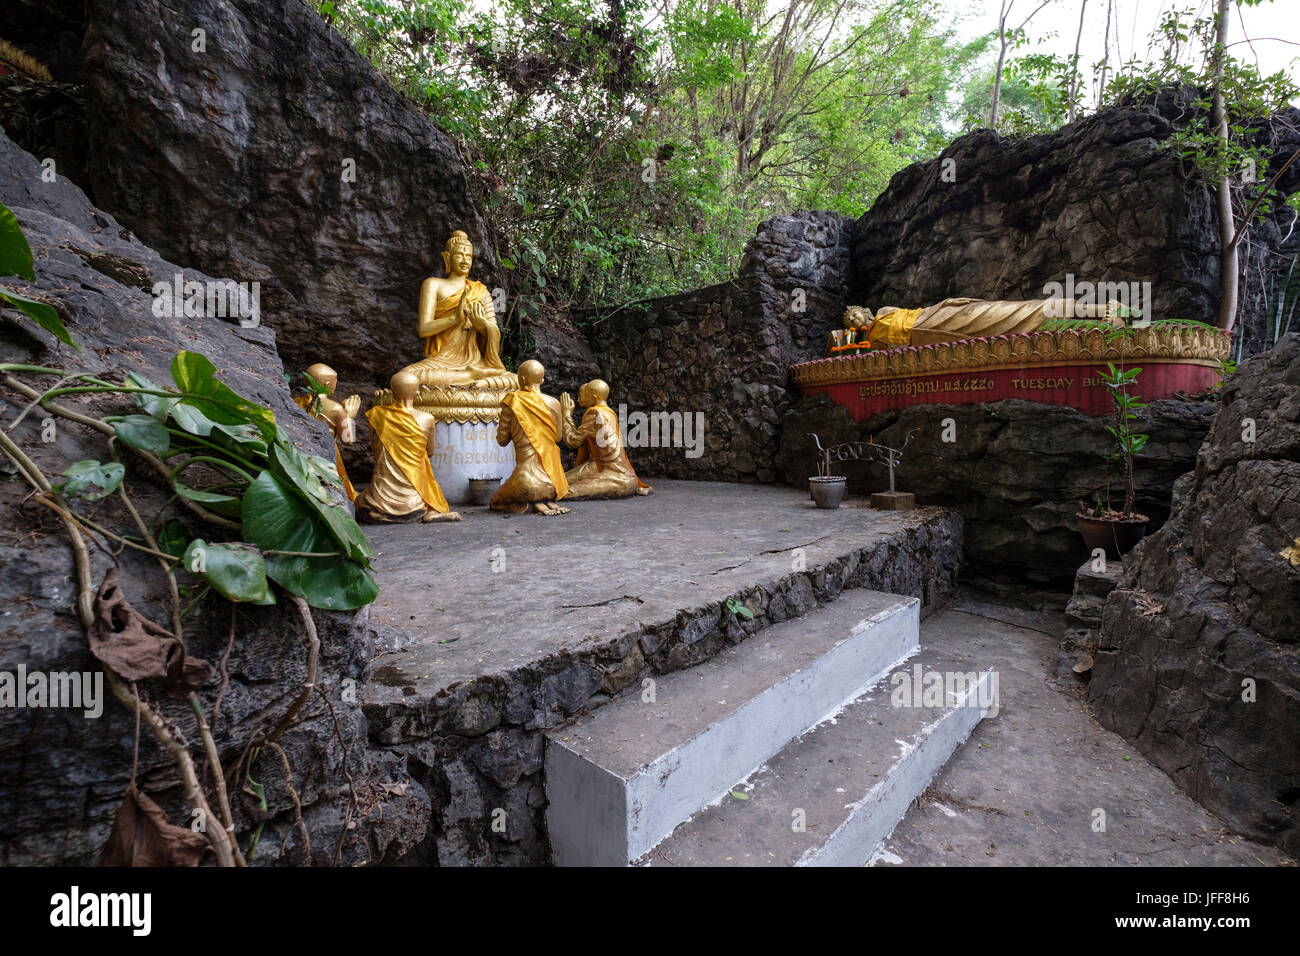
(462, 452)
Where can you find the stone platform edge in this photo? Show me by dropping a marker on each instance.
(477, 746)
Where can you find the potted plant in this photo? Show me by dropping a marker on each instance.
(827, 490)
(1118, 531)
(481, 490)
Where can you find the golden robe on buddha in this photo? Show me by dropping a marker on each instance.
(403, 482)
(531, 421)
(305, 402)
(954, 319)
(602, 468)
(465, 352)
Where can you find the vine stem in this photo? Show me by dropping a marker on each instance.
(106, 429)
(205, 732)
(218, 837)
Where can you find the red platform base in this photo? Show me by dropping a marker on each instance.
(1079, 386)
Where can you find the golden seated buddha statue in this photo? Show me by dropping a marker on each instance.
(461, 377)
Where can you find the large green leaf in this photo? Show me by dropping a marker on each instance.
(155, 405)
(15, 253)
(213, 501)
(172, 538)
(195, 374)
(41, 313)
(278, 519)
(91, 480)
(234, 436)
(326, 471)
(294, 467)
(234, 570)
(144, 432)
(191, 419)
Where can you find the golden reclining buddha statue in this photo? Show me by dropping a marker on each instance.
(954, 319)
(461, 376)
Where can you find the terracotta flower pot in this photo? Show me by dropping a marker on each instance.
(1117, 536)
(828, 492)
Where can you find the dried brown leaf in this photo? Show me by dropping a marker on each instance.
(142, 836)
(136, 648)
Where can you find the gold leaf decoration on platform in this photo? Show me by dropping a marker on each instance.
(460, 406)
(1193, 344)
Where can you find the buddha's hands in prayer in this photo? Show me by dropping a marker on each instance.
(566, 406)
(479, 315)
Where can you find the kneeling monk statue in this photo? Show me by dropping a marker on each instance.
(532, 421)
(602, 469)
(462, 344)
(403, 487)
(341, 418)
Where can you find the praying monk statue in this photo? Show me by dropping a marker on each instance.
(532, 421)
(341, 418)
(403, 487)
(602, 469)
(462, 344)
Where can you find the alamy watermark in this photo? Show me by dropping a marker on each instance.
(941, 689)
(659, 430)
(82, 690)
(211, 298)
(1084, 300)
(127, 910)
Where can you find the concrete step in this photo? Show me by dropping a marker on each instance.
(622, 780)
(832, 797)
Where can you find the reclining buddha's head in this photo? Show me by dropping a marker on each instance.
(857, 317)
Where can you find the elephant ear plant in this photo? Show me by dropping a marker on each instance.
(262, 518)
(16, 260)
(225, 459)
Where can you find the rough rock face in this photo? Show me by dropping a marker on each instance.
(722, 352)
(1014, 469)
(62, 774)
(277, 155)
(999, 218)
(1209, 686)
(1092, 585)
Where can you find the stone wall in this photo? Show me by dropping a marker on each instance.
(1197, 658)
(723, 351)
(1014, 469)
(998, 218)
(62, 775)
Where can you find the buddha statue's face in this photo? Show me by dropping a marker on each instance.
(458, 258)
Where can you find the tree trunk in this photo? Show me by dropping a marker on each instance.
(997, 77)
(1105, 55)
(1223, 195)
(1072, 91)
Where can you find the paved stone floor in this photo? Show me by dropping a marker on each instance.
(484, 594)
(1025, 787)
